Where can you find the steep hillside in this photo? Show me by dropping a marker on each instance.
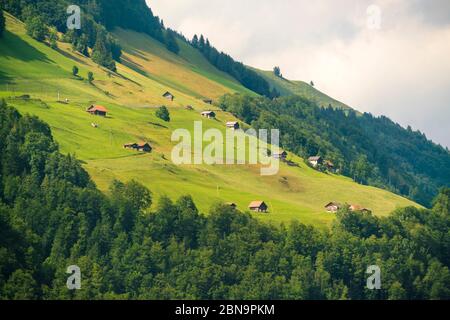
(290, 87)
(297, 192)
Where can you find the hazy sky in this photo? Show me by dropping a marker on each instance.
(388, 57)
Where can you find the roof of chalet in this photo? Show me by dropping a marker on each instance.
(97, 108)
(337, 204)
(256, 204)
(357, 207)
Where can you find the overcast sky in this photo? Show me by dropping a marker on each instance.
(388, 57)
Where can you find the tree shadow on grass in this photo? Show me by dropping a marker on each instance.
(158, 125)
(5, 78)
(17, 48)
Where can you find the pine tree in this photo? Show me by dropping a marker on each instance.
(277, 71)
(75, 71)
(163, 113)
(90, 77)
(195, 41)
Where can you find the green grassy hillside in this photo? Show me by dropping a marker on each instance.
(289, 87)
(131, 94)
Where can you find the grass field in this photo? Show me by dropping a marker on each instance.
(28, 67)
(289, 87)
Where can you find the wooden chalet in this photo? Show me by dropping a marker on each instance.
(209, 114)
(333, 207)
(315, 161)
(233, 125)
(258, 206)
(282, 155)
(168, 96)
(97, 110)
(140, 146)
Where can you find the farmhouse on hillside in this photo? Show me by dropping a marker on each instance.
(208, 101)
(97, 110)
(358, 208)
(315, 161)
(141, 146)
(168, 96)
(258, 206)
(233, 125)
(333, 207)
(329, 165)
(282, 155)
(209, 114)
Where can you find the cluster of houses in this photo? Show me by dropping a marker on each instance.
(334, 207)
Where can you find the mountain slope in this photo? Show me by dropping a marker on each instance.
(289, 87)
(297, 192)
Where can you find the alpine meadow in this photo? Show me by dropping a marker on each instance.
(89, 121)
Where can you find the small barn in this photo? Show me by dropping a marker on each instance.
(140, 146)
(97, 110)
(168, 96)
(131, 145)
(209, 114)
(315, 161)
(208, 101)
(233, 125)
(143, 147)
(282, 155)
(359, 208)
(333, 207)
(258, 206)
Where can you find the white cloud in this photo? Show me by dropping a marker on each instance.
(401, 70)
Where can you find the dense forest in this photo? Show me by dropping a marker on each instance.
(371, 150)
(222, 61)
(52, 216)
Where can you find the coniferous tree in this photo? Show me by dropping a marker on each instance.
(194, 41)
(90, 77)
(277, 71)
(75, 71)
(163, 113)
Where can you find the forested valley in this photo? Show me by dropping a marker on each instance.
(53, 216)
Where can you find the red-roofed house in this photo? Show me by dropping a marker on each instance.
(97, 110)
